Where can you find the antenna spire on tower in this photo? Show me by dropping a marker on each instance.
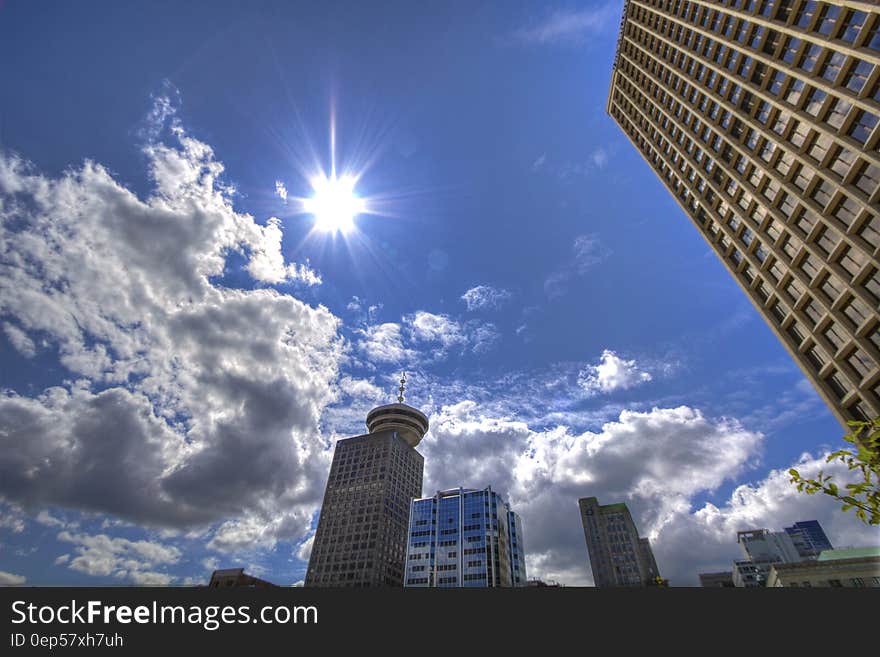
(401, 388)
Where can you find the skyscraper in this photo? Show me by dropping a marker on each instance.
(361, 535)
(761, 549)
(618, 557)
(463, 537)
(760, 117)
(809, 538)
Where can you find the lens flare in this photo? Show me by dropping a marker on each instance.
(334, 203)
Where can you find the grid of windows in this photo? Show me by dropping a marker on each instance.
(464, 538)
(361, 535)
(618, 557)
(761, 119)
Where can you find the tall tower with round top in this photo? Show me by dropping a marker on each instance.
(409, 423)
(361, 535)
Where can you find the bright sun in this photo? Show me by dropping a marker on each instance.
(334, 204)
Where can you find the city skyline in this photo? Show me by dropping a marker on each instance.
(187, 330)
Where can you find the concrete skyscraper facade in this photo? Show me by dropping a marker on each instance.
(618, 557)
(760, 117)
(361, 535)
(464, 537)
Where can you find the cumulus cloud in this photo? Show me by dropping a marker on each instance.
(10, 579)
(612, 373)
(485, 297)
(281, 190)
(188, 403)
(663, 463)
(568, 27)
(657, 461)
(103, 555)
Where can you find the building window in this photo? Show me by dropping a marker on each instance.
(810, 57)
(857, 75)
(867, 179)
(805, 221)
(838, 385)
(834, 336)
(862, 126)
(851, 25)
(837, 113)
(789, 51)
(860, 362)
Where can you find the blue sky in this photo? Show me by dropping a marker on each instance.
(180, 347)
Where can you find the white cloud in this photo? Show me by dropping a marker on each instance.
(242, 534)
(102, 555)
(11, 516)
(599, 157)
(45, 518)
(659, 462)
(20, 340)
(383, 343)
(150, 578)
(428, 327)
(482, 337)
(9, 579)
(188, 403)
(281, 190)
(485, 297)
(705, 540)
(587, 251)
(305, 548)
(656, 461)
(422, 337)
(361, 389)
(538, 163)
(569, 26)
(612, 373)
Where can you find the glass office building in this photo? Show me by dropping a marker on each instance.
(809, 538)
(761, 119)
(464, 537)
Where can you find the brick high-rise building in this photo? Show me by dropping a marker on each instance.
(760, 117)
(361, 535)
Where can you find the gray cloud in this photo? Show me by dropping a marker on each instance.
(191, 403)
